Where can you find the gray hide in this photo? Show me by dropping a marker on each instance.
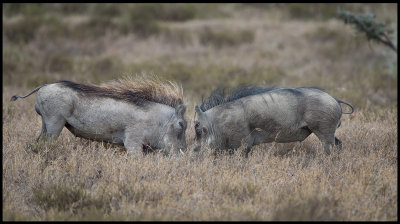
(153, 125)
(280, 115)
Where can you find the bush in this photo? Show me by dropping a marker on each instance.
(143, 19)
(107, 10)
(60, 198)
(311, 11)
(57, 63)
(313, 209)
(178, 36)
(223, 38)
(29, 10)
(21, 31)
(63, 198)
(164, 12)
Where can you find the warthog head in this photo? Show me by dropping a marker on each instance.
(174, 136)
(203, 130)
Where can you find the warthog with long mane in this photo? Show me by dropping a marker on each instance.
(252, 115)
(139, 114)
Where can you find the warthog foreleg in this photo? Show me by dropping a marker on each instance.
(133, 149)
(133, 146)
(249, 142)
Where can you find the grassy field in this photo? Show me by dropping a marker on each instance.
(200, 46)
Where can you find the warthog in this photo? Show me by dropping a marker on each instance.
(139, 114)
(252, 115)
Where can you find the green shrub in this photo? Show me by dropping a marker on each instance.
(374, 30)
(14, 215)
(311, 11)
(106, 68)
(14, 61)
(60, 198)
(201, 79)
(108, 10)
(145, 28)
(21, 31)
(33, 81)
(222, 38)
(143, 19)
(178, 36)
(312, 209)
(164, 12)
(57, 63)
(70, 8)
(97, 70)
(63, 198)
(26, 28)
(26, 9)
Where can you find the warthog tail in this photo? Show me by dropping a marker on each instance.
(14, 98)
(348, 104)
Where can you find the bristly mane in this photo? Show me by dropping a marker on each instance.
(137, 91)
(218, 96)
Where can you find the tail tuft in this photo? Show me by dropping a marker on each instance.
(14, 98)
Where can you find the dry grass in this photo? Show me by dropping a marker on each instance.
(75, 179)
(277, 44)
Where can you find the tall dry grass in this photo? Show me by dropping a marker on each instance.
(200, 46)
(77, 179)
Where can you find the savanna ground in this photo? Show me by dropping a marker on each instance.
(200, 46)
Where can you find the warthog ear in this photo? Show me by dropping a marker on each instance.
(198, 112)
(197, 109)
(180, 110)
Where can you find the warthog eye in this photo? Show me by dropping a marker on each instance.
(180, 125)
(197, 124)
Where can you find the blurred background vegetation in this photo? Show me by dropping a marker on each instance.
(202, 46)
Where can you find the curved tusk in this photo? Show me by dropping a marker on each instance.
(181, 152)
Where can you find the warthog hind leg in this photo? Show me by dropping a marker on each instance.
(37, 109)
(338, 143)
(327, 151)
(327, 137)
(43, 131)
(54, 125)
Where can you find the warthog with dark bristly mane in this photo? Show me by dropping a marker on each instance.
(137, 113)
(252, 115)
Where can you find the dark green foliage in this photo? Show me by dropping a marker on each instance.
(226, 38)
(107, 10)
(60, 198)
(313, 209)
(163, 12)
(365, 23)
(64, 198)
(32, 9)
(143, 19)
(301, 11)
(22, 31)
(310, 11)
